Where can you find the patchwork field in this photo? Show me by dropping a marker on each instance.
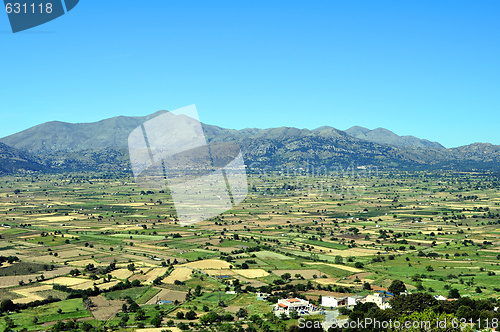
(434, 232)
(208, 264)
(180, 274)
(252, 273)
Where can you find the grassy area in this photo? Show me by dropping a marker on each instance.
(72, 308)
(147, 295)
(134, 293)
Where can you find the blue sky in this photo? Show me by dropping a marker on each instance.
(425, 68)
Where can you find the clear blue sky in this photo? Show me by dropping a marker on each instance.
(425, 68)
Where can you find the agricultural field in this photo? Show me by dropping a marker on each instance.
(106, 253)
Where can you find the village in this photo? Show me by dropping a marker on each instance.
(294, 307)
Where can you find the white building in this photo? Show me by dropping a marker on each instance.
(332, 301)
(288, 305)
(380, 300)
(353, 300)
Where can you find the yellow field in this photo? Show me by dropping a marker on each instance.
(58, 218)
(159, 329)
(28, 294)
(338, 266)
(208, 264)
(100, 285)
(332, 281)
(83, 262)
(72, 253)
(155, 273)
(121, 273)
(66, 281)
(181, 274)
(350, 252)
(252, 273)
(133, 204)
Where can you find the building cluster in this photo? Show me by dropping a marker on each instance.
(301, 307)
(381, 300)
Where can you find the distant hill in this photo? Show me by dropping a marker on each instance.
(70, 137)
(13, 160)
(102, 146)
(384, 136)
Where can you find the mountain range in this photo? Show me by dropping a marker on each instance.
(102, 146)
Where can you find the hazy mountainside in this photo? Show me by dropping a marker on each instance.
(62, 136)
(384, 136)
(13, 160)
(102, 145)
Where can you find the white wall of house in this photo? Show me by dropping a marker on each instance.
(329, 301)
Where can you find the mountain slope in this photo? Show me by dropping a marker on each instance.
(384, 136)
(102, 146)
(13, 160)
(70, 137)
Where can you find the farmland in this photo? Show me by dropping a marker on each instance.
(104, 252)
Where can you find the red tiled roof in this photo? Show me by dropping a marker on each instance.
(282, 305)
(292, 300)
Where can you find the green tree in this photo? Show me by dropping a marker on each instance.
(397, 287)
(190, 315)
(453, 293)
(241, 313)
(156, 321)
(140, 315)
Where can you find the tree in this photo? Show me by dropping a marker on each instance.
(338, 260)
(140, 315)
(190, 315)
(367, 286)
(183, 326)
(453, 293)
(124, 319)
(7, 305)
(133, 307)
(241, 313)
(434, 320)
(286, 276)
(416, 302)
(157, 281)
(180, 315)
(197, 291)
(397, 287)
(209, 318)
(244, 266)
(156, 321)
(255, 319)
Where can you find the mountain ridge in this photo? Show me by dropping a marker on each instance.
(385, 136)
(103, 145)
